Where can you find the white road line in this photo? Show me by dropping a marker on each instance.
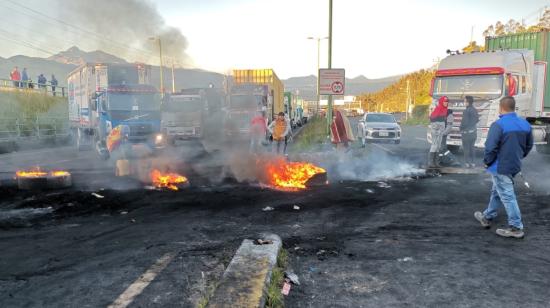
(422, 139)
(142, 282)
(383, 148)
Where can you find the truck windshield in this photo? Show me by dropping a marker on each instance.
(489, 86)
(247, 101)
(380, 118)
(187, 104)
(135, 102)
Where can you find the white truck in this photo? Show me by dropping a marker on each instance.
(488, 77)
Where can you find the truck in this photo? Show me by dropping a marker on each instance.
(511, 65)
(102, 96)
(185, 113)
(258, 90)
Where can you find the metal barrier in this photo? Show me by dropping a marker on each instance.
(47, 88)
(38, 128)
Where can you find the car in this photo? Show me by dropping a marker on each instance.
(378, 127)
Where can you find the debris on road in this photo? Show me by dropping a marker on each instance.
(383, 185)
(405, 259)
(370, 191)
(98, 195)
(123, 212)
(263, 242)
(286, 288)
(292, 277)
(267, 209)
(295, 207)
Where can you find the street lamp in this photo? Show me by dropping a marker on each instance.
(318, 39)
(160, 56)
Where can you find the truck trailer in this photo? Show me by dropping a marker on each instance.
(512, 65)
(103, 96)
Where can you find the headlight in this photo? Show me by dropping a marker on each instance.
(158, 138)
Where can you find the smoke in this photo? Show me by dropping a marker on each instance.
(125, 26)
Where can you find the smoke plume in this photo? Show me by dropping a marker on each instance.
(124, 27)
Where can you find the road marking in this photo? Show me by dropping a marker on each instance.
(142, 282)
(422, 139)
(383, 148)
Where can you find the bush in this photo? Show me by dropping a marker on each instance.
(314, 133)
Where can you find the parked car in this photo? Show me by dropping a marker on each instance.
(378, 127)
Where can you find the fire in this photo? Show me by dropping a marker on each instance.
(167, 180)
(290, 175)
(59, 173)
(37, 173)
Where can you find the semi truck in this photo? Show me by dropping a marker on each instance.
(185, 114)
(103, 96)
(253, 91)
(511, 65)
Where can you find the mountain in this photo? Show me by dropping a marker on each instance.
(307, 85)
(78, 57)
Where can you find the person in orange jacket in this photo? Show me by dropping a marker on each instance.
(279, 129)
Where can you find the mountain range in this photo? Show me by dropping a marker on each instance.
(64, 62)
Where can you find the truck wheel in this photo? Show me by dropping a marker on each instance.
(82, 140)
(455, 149)
(543, 149)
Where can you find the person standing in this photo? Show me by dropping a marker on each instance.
(41, 81)
(15, 76)
(24, 79)
(438, 119)
(279, 129)
(509, 140)
(53, 82)
(468, 129)
(258, 129)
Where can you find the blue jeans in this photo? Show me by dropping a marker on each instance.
(502, 194)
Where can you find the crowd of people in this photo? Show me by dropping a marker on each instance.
(22, 80)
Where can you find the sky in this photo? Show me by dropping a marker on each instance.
(371, 38)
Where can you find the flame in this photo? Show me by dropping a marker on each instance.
(37, 173)
(290, 175)
(114, 138)
(167, 180)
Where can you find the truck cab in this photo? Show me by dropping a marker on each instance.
(488, 77)
(183, 115)
(244, 102)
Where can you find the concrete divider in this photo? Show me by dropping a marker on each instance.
(245, 281)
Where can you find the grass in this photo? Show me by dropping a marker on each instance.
(416, 121)
(275, 298)
(313, 134)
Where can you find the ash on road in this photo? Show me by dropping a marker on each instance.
(399, 243)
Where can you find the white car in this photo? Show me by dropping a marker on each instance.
(379, 127)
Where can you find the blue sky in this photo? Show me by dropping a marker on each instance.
(371, 38)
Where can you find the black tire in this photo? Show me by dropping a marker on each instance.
(455, 149)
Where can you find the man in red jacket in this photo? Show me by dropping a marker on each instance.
(15, 76)
(258, 128)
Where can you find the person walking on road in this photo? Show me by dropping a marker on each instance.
(438, 119)
(24, 79)
(468, 129)
(15, 77)
(279, 129)
(53, 82)
(509, 141)
(258, 129)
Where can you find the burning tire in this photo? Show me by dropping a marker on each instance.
(39, 180)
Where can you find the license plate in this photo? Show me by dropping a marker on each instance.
(383, 134)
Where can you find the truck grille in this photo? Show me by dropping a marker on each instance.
(140, 130)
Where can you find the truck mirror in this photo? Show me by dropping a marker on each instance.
(512, 85)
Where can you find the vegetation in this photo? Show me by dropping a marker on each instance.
(313, 134)
(275, 298)
(29, 104)
(419, 116)
(394, 97)
(513, 26)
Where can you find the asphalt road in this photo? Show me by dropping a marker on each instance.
(381, 234)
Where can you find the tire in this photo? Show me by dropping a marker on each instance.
(543, 149)
(455, 149)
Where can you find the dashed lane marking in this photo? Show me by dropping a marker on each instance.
(142, 282)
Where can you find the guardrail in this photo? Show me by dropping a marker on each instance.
(47, 88)
(36, 128)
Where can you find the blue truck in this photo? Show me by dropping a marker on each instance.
(104, 96)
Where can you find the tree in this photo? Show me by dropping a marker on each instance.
(473, 47)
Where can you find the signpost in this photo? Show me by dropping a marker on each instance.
(332, 81)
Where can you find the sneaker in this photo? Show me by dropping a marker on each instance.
(511, 232)
(485, 223)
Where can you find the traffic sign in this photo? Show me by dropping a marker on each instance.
(332, 81)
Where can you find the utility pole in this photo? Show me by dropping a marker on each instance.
(318, 67)
(161, 65)
(329, 107)
(173, 78)
(408, 100)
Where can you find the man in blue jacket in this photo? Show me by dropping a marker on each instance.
(509, 141)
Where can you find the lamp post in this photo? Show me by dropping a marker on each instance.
(329, 107)
(318, 39)
(161, 66)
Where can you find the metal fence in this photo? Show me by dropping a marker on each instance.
(47, 88)
(33, 128)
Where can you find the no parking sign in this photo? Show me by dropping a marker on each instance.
(332, 81)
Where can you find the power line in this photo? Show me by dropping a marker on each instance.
(26, 45)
